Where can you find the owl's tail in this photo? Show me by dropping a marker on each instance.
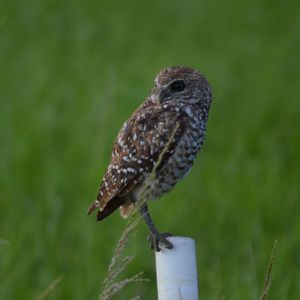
(110, 207)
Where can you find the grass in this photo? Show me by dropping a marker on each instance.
(119, 262)
(268, 279)
(73, 71)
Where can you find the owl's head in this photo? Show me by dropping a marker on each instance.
(181, 84)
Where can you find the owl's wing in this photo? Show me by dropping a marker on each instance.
(149, 136)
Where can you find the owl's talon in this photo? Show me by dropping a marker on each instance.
(157, 238)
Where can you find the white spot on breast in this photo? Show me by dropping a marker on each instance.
(194, 144)
(188, 111)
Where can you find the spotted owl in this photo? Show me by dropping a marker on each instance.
(156, 147)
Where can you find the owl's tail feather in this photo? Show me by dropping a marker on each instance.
(110, 207)
(92, 207)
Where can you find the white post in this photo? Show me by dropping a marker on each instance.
(176, 270)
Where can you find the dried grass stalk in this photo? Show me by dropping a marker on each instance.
(118, 264)
(268, 279)
(49, 288)
(141, 202)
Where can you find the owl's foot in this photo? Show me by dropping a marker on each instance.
(156, 239)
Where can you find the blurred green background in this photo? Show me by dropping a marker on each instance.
(73, 71)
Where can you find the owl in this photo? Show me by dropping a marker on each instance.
(156, 147)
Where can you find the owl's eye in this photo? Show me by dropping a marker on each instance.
(177, 86)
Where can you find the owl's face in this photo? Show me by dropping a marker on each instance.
(181, 84)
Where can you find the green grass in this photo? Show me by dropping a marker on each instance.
(73, 71)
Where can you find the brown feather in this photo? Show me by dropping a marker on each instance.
(92, 207)
(110, 208)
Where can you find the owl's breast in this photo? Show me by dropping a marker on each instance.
(178, 164)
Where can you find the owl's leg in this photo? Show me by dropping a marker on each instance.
(155, 236)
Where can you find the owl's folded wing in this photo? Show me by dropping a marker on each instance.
(147, 138)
